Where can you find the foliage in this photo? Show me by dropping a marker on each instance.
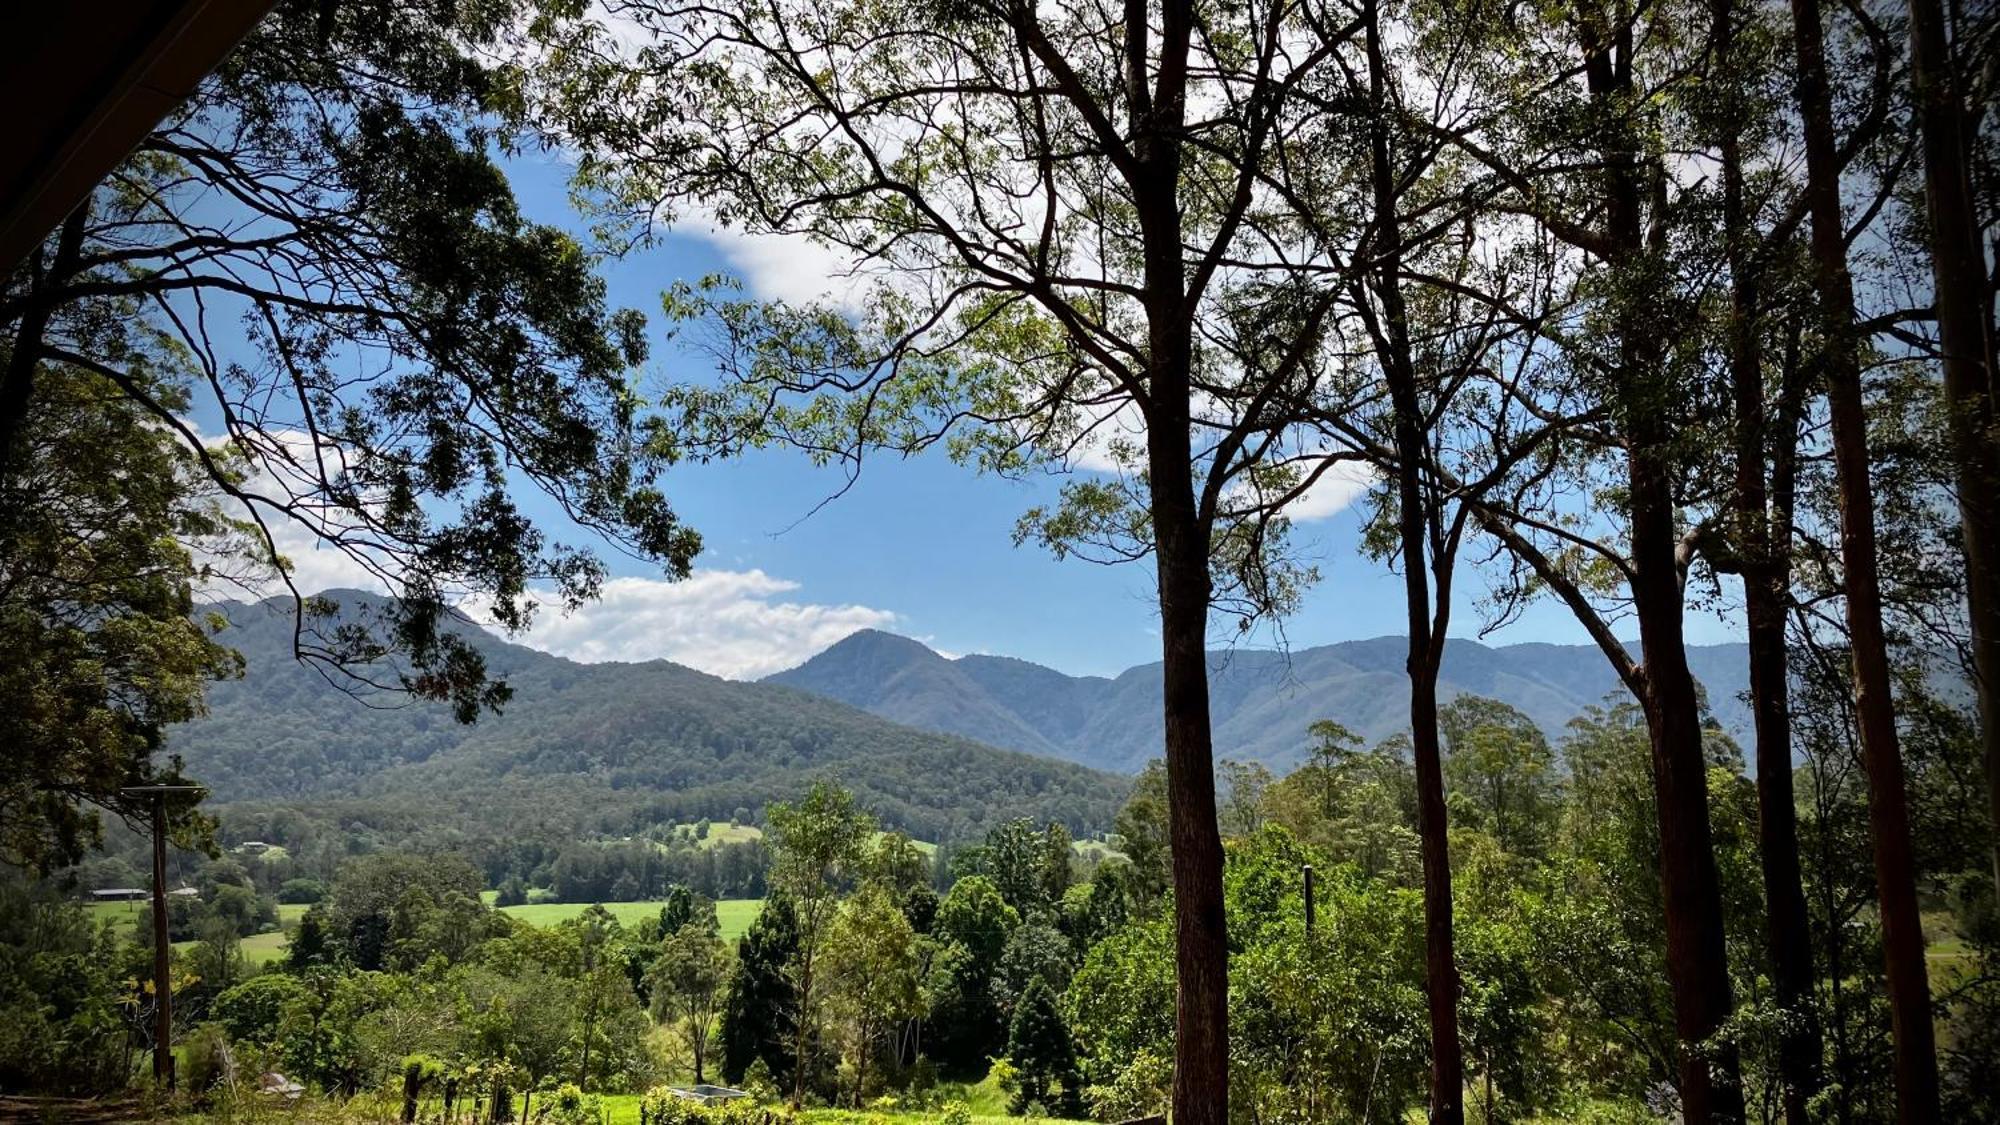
(759, 1012)
(64, 1003)
(1039, 1046)
(102, 517)
(874, 978)
(334, 182)
(686, 981)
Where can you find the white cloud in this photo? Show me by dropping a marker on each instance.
(1110, 440)
(731, 623)
(1334, 492)
(782, 267)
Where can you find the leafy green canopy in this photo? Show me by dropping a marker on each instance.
(100, 518)
(1046, 269)
(318, 256)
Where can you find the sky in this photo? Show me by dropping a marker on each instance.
(921, 547)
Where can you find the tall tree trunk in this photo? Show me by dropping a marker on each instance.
(1425, 648)
(1181, 534)
(1201, 1026)
(800, 1038)
(1764, 544)
(1697, 957)
(1965, 334)
(1888, 806)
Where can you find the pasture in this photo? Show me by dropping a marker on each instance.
(735, 914)
(258, 949)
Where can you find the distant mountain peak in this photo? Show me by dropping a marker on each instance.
(1261, 701)
(584, 749)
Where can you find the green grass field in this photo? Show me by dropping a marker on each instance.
(985, 1099)
(258, 949)
(720, 833)
(735, 914)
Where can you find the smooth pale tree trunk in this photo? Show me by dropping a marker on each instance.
(1966, 336)
(1766, 570)
(1697, 957)
(1425, 647)
(1888, 804)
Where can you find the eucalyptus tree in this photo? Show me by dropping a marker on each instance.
(104, 650)
(315, 275)
(1578, 115)
(1743, 118)
(1953, 93)
(820, 844)
(1861, 585)
(1446, 399)
(687, 979)
(1067, 242)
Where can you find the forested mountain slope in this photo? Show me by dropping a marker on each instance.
(595, 748)
(1262, 701)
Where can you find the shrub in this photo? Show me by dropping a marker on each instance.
(569, 1105)
(661, 1106)
(955, 1113)
(208, 1061)
(305, 891)
(253, 1010)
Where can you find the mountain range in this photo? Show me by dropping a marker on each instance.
(1261, 701)
(588, 750)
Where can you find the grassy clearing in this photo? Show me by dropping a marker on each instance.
(735, 914)
(258, 949)
(722, 832)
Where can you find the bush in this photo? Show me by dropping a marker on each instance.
(661, 1106)
(253, 1010)
(569, 1105)
(302, 891)
(208, 1062)
(955, 1113)
(62, 996)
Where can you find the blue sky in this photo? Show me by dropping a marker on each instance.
(922, 547)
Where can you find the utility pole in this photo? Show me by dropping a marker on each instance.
(163, 1000)
(1309, 900)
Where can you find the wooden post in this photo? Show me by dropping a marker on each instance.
(163, 998)
(163, 989)
(1309, 900)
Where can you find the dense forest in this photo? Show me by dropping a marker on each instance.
(582, 751)
(874, 972)
(1612, 314)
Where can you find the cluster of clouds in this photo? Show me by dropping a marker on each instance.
(738, 624)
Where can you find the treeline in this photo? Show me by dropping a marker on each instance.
(641, 869)
(1054, 975)
(1640, 309)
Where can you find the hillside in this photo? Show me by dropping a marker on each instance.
(594, 748)
(1261, 701)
